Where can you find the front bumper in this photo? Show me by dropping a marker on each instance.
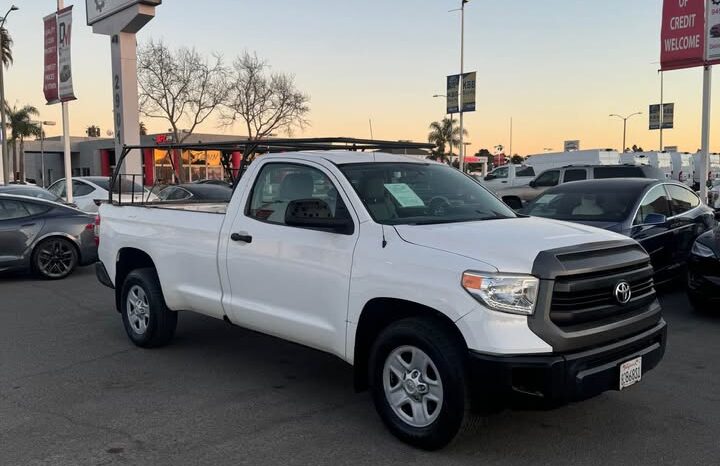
(562, 378)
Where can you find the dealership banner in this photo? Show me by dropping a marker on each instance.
(452, 92)
(683, 34)
(668, 118)
(468, 93)
(50, 79)
(712, 36)
(654, 116)
(64, 27)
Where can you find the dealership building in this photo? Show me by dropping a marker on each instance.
(96, 157)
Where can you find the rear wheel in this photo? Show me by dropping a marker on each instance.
(418, 382)
(147, 320)
(55, 258)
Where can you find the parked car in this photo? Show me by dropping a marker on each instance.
(508, 176)
(215, 182)
(32, 191)
(196, 192)
(90, 191)
(48, 238)
(434, 290)
(665, 217)
(704, 272)
(517, 197)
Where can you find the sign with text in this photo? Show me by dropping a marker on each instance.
(655, 117)
(50, 71)
(101, 9)
(712, 34)
(668, 117)
(452, 92)
(468, 93)
(64, 35)
(570, 146)
(683, 34)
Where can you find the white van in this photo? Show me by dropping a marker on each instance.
(714, 168)
(550, 160)
(683, 167)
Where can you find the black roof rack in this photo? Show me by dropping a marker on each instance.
(254, 146)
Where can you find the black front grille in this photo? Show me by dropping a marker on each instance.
(583, 299)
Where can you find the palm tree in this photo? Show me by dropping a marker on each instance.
(444, 133)
(22, 126)
(6, 52)
(143, 129)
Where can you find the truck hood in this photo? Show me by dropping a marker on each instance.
(510, 245)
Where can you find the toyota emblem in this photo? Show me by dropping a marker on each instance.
(623, 292)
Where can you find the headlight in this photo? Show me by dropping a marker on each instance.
(701, 250)
(515, 294)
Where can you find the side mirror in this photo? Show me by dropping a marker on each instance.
(532, 184)
(513, 202)
(655, 219)
(489, 177)
(316, 213)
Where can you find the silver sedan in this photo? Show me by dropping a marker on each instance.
(46, 237)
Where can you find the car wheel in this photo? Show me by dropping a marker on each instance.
(418, 384)
(147, 320)
(55, 258)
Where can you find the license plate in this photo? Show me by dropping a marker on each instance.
(630, 372)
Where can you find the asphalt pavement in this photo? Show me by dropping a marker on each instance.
(75, 391)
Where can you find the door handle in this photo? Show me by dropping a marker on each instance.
(241, 238)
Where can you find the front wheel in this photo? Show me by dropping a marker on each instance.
(55, 258)
(148, 321)
(418, 382)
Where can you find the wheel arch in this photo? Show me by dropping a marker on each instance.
(376, 315)
(129, 259)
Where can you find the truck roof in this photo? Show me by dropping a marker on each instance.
(340, 157)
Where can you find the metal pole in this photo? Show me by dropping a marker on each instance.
(511, 135)
(662, 109)
(42, 155)
(624, 133)
(4, 172)
(462, 69)
(705, 148)
(66, 136)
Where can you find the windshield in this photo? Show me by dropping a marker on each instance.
(422, 194)
(588, 206)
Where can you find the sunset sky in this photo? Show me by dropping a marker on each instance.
(557, 67)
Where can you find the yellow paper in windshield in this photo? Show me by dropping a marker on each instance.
(404, 194)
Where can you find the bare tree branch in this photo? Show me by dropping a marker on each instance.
(179, 86)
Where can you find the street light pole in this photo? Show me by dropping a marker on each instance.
(451, 125)
(4, 172)
(625, 119)
(42, 148)
(462, 70)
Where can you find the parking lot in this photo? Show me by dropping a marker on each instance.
(74, 390)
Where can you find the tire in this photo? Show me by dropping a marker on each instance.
(147, 320)
(54, 258)
(421, 421)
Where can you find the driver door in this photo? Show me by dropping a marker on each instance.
(288, 281)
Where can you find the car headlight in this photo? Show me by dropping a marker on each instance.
(701, 250)
(515, 294)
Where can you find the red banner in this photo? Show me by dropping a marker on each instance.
(683, 34)
(50, 41)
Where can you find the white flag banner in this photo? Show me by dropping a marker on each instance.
(64, 31)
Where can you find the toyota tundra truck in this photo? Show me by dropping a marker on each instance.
(442, 299)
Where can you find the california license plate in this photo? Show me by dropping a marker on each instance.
(630, 372)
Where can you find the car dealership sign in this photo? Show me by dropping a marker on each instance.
(690, 33)
(101, 9)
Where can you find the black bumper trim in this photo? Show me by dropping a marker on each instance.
(103, 276)
(562, 378)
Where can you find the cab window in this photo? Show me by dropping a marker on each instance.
(278, 184)
(501, 172)
(525, 171)
(655, 202)
(549, 178)
(574, 175)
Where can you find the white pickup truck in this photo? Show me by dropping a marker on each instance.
(440, 296)
(508, 176)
